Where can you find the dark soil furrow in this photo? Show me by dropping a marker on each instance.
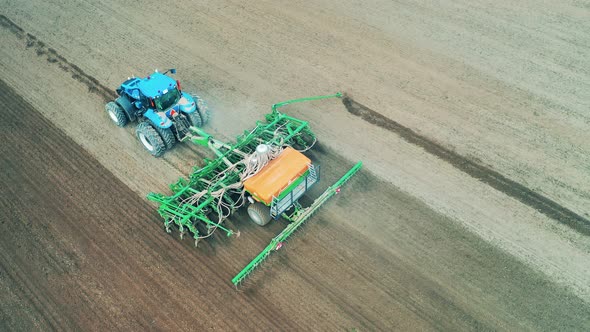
(42, 50)
(483, 173)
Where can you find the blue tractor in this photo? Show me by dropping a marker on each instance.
(163, 110)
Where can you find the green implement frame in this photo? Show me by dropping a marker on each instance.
(200, 203)
(297, 219)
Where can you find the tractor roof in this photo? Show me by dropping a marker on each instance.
(277, 175)
(154, 84)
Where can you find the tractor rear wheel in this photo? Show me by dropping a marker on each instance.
(167, 137)
(259, 213)
(203, 109)
(194, 119)
(116, 113)
(150, 139)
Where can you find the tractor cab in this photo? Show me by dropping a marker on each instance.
(157, 91)
(161, 90)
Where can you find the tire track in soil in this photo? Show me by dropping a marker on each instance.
(39, 304)
(483, 173)
(94, 86)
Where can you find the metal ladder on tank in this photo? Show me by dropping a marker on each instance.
(277, 206)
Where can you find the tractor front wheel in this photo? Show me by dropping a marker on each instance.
(116, 113)
(259, 213)
(150, 139)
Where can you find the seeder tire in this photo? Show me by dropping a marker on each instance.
(150, 139)
(259, 213)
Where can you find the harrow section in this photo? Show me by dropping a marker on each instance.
(200, 203)
(214, 191)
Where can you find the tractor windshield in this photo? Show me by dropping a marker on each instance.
(168, 99)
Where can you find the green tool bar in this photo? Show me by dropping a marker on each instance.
(275, 106)
(276, 242)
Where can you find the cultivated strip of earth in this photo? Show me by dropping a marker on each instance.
(52, 56)
(483, 173)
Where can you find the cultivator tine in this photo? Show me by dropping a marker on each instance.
(167, 225)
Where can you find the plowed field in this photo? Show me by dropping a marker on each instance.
(471, 212)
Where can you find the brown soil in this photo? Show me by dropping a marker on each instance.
(470, 212)
(485, 174)
(79, 250)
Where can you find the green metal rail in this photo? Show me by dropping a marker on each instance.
(300, 217)
(288, 102)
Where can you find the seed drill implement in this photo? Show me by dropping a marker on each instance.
(265, 168)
